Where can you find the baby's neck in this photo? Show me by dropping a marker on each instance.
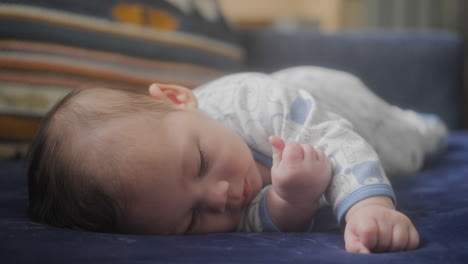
(264, 172)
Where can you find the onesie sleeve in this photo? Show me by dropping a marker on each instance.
(357, 171)
(257, 106)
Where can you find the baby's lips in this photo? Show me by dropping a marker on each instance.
(247, 194)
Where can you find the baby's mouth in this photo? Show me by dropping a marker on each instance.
(247, 194)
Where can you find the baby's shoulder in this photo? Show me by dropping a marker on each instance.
(243, 84)
(237, 81)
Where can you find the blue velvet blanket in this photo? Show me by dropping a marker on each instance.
(436, 199)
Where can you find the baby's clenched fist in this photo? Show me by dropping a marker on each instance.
(300, 173)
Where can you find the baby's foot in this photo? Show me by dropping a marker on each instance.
(299, 172)
(431, 129)
(436, 134)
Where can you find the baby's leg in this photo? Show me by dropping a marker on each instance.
(402, 138)
(426, 131)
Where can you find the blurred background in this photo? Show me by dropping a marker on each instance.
(347, 15)
(335, 15)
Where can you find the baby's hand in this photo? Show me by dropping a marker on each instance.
(373, 225)
(300, 173)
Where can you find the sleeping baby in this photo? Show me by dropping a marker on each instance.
(249, 152)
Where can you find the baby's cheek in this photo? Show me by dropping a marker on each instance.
(230, 172)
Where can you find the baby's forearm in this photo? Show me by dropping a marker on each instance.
(300, 174)
(289, 216)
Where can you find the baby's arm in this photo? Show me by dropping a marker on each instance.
(373, 225)
(300, 175)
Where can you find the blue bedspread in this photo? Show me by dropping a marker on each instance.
(436, 199)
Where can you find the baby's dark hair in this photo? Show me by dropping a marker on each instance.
(65, 180)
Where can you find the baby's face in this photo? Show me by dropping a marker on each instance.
(188, 174)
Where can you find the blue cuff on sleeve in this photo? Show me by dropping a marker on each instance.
(364, 192)
(267, 223)
(265, 218)
(260, 157)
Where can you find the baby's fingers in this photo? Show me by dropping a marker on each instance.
(352, 242)
(404, 238)
(368, 232)
(277, 146)
(292, 154)
(400, 238)
(354, 245)
(361, 237)
(310, 152)
(414, 239)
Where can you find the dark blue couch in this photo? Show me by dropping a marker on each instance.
(417, 70)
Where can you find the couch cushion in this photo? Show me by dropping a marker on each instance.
(420, 70)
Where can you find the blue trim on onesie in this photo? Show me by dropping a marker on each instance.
(267, 223)
(260, 157)
(360, 194)
(265, 218)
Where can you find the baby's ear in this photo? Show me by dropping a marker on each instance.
(173, 94)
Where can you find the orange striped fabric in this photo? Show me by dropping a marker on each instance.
(71, 20)
(50, 47)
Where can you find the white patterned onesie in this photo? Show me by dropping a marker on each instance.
(365, 137)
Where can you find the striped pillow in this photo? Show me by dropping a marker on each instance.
(50, 47)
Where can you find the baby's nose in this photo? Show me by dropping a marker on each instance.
(216, 196)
